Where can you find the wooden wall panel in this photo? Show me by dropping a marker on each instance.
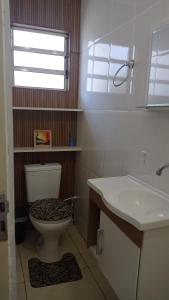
(63, 125)
(59, 15)
(51, 98)
(67, 160)
(55, 14)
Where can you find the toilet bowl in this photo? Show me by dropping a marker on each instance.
(49, 215)
(48, 245)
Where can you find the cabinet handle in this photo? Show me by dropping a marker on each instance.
(99, 246)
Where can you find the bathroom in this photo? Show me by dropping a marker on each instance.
(105, 129)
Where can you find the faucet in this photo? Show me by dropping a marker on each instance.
(161, 169)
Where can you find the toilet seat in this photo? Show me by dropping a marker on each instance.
(51, 210)
(59, 222)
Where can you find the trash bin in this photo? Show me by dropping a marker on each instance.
(20, 224)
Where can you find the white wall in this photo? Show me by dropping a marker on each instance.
(112, 131)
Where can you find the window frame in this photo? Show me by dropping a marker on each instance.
(65, 54)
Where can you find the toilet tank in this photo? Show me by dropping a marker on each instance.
(42, 181)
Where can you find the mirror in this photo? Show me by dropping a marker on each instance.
(158, 87)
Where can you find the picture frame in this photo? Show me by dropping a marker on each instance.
(42, 138)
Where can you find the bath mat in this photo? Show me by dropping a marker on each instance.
(46, 274)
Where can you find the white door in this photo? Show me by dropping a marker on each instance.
(119, 259)
(7, 249)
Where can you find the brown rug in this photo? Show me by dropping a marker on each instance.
(46, 274)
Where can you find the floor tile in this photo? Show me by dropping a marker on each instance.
(77, 239)
(87, 255)
(93, 285)
(67, 245)
(28, 250)
(103, 284)
(79, 290)
(89, 258)
(21, 293)
(19, 273)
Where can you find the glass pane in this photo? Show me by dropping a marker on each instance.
(99, 85)
(36, 60)
(39, 80)
(162, 74)
(90, 66)
(102, 50)
(89, 85)
(119, 52)
(161, 89)
(38, 40)
(101, 68)
(114, 68)
(121, 90)
(164, 59)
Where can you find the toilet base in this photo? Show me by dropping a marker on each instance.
(48, 245)
(48, 250)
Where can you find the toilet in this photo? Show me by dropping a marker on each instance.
(49, 215)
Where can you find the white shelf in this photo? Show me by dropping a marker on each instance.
(52, 149)
(48, 109)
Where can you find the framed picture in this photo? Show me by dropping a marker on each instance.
(42, 138)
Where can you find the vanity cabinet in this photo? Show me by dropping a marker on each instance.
(118, 259)
(135, 262)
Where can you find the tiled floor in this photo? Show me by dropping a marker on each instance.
(93, 286)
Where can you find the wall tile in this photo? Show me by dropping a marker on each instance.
(114, 131)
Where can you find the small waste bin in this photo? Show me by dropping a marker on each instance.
(20, 224)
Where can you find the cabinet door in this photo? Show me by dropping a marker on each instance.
(118, 259)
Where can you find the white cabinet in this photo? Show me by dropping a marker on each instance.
(154, 266)
(119, 259)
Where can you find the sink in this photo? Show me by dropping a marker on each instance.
(134, 201)
(142, 201)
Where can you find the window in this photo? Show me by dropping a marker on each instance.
(40, 58)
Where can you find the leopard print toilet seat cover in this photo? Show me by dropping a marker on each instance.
(51, 209)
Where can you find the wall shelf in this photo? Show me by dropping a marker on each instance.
(48, 109)
(154, 107)
(52, 149)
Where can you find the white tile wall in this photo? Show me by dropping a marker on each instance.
(112, 131)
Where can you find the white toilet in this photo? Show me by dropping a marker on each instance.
(43, 184)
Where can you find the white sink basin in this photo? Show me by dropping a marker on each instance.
(143, 202)
(135, 202)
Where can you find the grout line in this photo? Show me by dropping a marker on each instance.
(97, 284)
(20, 262)
(79, 252)
(97, 281)
(24, 279)
(132, 20)
(88, 268)
(25, 291)
(72, 241)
